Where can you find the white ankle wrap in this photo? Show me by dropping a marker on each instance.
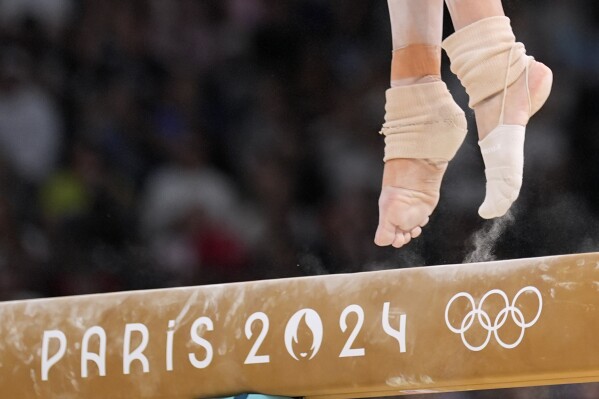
(486, 57)
(503, 154)
(422, 121)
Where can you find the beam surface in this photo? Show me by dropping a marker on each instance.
(431, 329)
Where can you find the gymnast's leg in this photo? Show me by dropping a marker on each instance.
(423, 127)
(506, 87)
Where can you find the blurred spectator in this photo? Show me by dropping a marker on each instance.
(190, 209)
(30, 125)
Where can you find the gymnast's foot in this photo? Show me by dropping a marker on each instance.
(409, 195)
(506, 87)
(423, 129)
(502, 146)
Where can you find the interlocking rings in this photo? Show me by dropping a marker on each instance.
(492, 328)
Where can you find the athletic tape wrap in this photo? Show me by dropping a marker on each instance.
(415, 60)
(422, 121)
(503, 154)
(479, 55)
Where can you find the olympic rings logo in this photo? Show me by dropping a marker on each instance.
(492, 327)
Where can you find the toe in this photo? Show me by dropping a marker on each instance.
(407, 238)
(415, 233)
(399, 240)
(385, 234)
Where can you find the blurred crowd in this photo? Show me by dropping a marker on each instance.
(151, 143)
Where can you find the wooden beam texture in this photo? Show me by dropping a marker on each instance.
(431, 329)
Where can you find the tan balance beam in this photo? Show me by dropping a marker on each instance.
(431, 329)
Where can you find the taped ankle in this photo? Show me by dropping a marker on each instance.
(422, 121)
(486, 57)
(416, 60)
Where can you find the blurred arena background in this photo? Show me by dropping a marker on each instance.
(151, 143)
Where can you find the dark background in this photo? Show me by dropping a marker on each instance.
(152, 143)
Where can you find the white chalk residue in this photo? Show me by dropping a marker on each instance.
(403, 380)
(569, 285)
(485, 239)
(192, 300)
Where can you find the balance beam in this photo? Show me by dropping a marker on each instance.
(501, 324)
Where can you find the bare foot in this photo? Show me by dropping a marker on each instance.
(409, 195)
(424, 128)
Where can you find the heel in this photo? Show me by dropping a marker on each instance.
(543, 92)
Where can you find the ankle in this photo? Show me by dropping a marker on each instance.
(416, 63)
(518, 109)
